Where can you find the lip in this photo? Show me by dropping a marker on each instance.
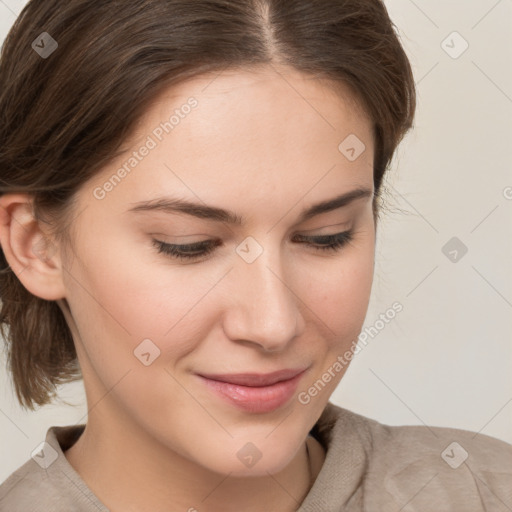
(254, 379)
(254, 392)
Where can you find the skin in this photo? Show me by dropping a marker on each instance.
(264, 144)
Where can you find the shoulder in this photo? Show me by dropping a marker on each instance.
(47, 481)
(28, 488)
(431, 467)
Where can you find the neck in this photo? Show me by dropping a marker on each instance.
(128, 470)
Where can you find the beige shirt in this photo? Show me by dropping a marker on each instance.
(368, 467)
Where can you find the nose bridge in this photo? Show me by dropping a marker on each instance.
(266, 309)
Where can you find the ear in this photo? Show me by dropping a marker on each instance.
(32, 256)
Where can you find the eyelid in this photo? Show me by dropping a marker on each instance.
(332, 243)
(339, 225)
(194, 236)
(209, 242)
(315, 232)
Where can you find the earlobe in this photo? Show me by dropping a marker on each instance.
(32, 256)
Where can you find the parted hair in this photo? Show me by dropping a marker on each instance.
(64, 117)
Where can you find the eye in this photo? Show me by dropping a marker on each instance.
(186, 252)
(328, 242)
(190, 252)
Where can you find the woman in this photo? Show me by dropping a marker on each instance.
(188, 218)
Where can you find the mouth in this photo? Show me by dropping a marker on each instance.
(255, 379)
(252, 392)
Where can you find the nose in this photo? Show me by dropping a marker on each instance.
(263, 311)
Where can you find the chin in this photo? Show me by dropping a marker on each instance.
(245, 458)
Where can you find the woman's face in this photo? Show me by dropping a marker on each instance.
(265, 147)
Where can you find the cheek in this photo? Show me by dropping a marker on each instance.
(115, 309)
(338, 293)
(118, 302)
(339, 299)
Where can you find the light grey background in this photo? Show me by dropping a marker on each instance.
(446, 359)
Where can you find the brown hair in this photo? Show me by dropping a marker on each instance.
(64, 117)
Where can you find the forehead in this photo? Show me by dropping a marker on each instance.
(262, 133)
(274, 90)
(259, 102)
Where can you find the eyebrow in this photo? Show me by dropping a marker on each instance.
(202, 211)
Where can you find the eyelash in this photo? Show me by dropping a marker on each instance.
(332, 243)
